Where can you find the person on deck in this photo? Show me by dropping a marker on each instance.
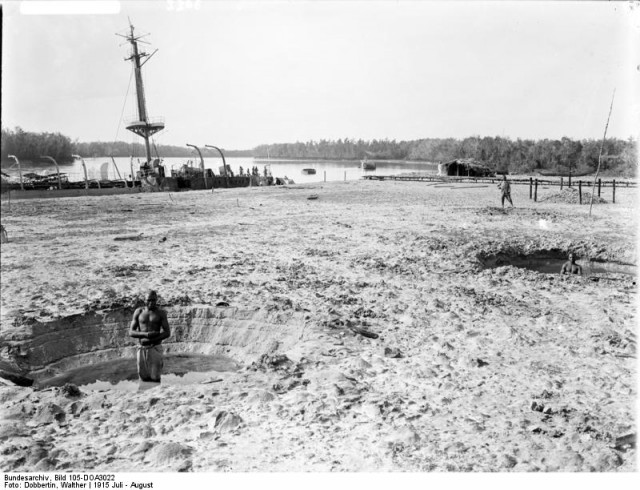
(570, 266)
(150, 326)
(505, 187)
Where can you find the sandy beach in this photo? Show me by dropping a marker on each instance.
(367, 334)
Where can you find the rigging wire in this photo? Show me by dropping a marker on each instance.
(124, 105)
(155, 147)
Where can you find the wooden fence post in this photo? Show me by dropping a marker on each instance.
(530, 187)
(325, 175)
(535, 194)
(561, 182)
(614, 191)
(599, 186)
(580, 190)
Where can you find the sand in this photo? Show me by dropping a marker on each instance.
(502, 369)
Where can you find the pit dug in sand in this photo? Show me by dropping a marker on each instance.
(550, 262)
(121, 374)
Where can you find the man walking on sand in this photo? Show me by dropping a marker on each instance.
(505, 187)
(150, 326)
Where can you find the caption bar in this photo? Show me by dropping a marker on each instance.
(74, 480)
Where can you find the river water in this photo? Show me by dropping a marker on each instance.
(553, 266)
(104, 169)
(121, 374)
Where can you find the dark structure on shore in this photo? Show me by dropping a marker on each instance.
(465, 167)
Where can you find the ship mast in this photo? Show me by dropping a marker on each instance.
(144, 126)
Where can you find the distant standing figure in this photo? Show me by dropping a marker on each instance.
(505, 187)
(150, 326)
(3, 235)
(570, 266)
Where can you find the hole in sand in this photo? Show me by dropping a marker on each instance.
(551, 262)
(122, 375)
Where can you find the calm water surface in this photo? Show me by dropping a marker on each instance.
(104, 169)
(121, 374)
(553, 266)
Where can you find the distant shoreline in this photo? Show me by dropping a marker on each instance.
(357, 160)
(262, 160)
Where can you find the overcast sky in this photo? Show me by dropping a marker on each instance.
(239, 74)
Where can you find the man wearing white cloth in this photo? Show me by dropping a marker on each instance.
(150, 326)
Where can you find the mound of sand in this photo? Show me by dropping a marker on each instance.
(570, 195)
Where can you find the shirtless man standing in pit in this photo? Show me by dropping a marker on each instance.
(150, 327)
(570, 266)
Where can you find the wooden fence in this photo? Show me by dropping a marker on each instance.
(533, 183)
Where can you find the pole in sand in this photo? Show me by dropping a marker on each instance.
(569, 174)
(600, 154)
(614, 191)
(580, 191)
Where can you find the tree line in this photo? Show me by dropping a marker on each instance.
(29, 146)
(620, 157)
(98, 149)
(504, 154)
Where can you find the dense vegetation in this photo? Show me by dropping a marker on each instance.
(519, 156)
(123, 149)
(620, 157)
(29, 146)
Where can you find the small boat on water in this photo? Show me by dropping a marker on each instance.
(309, 171)
(367, 165)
